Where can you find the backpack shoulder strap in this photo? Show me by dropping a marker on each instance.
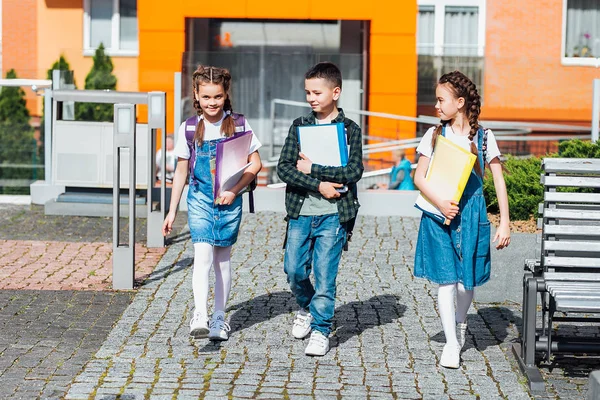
(190, 128)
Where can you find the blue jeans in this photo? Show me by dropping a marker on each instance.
(315, 243)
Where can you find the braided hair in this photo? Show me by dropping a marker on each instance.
(220, 76)
(461, 86)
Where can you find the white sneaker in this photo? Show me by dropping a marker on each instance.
(318, 345)
(450, 356)
(199, 326)
(219, 329)
(461, 333)
(302, 322)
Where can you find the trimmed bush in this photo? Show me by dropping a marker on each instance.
(100, 77)
(18, 149)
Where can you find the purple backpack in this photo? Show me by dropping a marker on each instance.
(190, 130)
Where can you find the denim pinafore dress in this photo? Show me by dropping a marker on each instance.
(459, 252)
(210, 223)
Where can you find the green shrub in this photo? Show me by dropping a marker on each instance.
(522, 177)
(525, 192)
(576, 148)
(100, 77)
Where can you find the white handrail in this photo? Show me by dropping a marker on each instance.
(35, 84)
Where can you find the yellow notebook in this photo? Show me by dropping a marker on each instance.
(449, 170)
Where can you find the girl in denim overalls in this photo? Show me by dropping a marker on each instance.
(457, 256)
(213, 224)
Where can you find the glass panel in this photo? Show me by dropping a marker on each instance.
(583, 29)
(101, 12)
(425, 30)
(128, 25)
(461, 31)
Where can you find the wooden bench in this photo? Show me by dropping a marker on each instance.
(567, 274)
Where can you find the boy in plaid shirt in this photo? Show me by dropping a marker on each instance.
(320, 212)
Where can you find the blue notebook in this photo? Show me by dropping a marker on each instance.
(324, 144)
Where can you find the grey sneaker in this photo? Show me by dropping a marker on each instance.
(301, 327)
(318, 345)
(199, 326)
(219, 329)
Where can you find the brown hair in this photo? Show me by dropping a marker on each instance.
(220, 76)
(461, 86)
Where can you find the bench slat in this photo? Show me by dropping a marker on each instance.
(567, 245)
(571, 214)
(571, 277)
(570, 165)
(566, 197)
(579, 305)
(571, 181)
(571, 230)
(575, 262)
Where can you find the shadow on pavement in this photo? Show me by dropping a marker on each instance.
(354, 318)
(163, 272)
(496, 327)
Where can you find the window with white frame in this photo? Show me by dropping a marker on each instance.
(451, 27)
(113, 23)
(581, 32)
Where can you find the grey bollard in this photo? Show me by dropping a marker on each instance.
(123, 137)
(157, 119)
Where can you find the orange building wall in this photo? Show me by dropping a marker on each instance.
(523, 77)
(35, 34)
(393, 61)
(19, 45)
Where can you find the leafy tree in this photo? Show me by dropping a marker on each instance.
(18, 146)
(100, 77)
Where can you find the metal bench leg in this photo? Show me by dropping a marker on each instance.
(529, 312)
(551, 310)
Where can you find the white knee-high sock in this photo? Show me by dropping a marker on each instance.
(203, 260)
(446, 294)
(222, 263)
(464, 298)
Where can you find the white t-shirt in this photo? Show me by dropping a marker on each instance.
(463, 141)
(211, 132)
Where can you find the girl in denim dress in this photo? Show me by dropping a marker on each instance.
(457, 256)
(214, 224)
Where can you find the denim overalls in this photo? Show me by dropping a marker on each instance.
(210, 223)
(459, 252)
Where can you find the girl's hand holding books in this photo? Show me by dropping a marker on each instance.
(502, 236)
(226, 198)
(449, 208)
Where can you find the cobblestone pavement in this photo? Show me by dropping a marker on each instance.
(48, 336)
(386, 343)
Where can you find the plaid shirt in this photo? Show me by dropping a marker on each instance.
(299, 184)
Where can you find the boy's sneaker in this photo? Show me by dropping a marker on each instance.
(199, 326)
(318, 345)
(450, 356)
(461, 333)
(302, 324)
(219, 329)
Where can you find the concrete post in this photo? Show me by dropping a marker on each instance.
(123, 138)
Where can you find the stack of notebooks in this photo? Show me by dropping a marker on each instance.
(449, 170)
